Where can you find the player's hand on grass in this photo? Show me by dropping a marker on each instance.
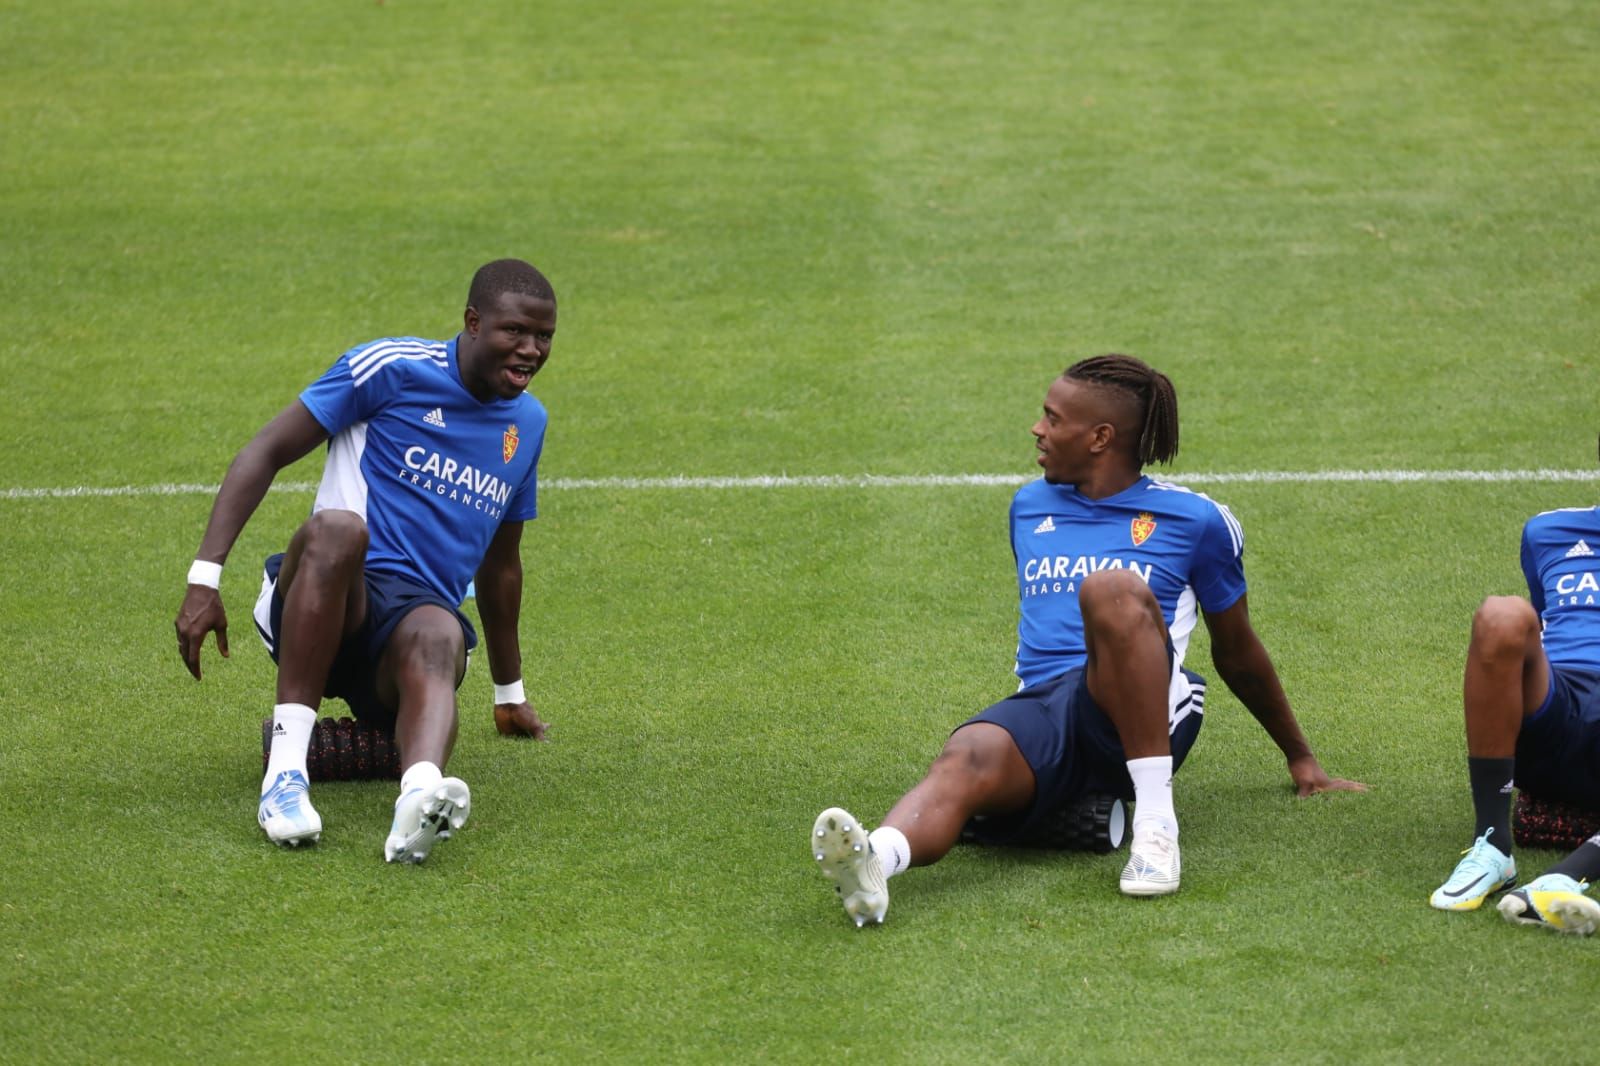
(1310, 778)
(201, 613)
(519, 720)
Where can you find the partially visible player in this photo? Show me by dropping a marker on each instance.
(1532, 699)
(1111, 568)
(430, 473)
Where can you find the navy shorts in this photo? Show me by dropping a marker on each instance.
(1558, 749)
(353, 677)
(1073, 747)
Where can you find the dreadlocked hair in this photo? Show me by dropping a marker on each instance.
(1151, 391)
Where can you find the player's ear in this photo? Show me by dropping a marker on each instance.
(1104, 434)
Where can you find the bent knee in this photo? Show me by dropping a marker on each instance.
(335, 533)
(1504, 623)
(429, 639)
(1118, 600)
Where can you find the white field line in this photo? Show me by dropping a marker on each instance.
(869, 481)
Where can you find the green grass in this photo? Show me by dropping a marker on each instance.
(839, 240)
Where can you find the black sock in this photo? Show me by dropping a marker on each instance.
(1583, 864)
(1491, 799)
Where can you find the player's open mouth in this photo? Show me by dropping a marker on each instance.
(519, 375)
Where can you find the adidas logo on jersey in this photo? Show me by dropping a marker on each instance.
(1578, 549)
(435, 417)
(1047, 526)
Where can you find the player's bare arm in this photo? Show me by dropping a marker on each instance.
(499, 585)
(291, 434)
(1245, 667)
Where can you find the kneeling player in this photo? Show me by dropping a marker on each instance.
(1532, 699)
(1111, 566)
(430, 474)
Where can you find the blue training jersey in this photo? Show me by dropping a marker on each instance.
(1187, 548)
(432, 470)
(1563, 578)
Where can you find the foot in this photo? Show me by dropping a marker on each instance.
(840, 846)
(1484, 871)
(1554, 901)
(285, 811)
(1152, 868)
(425, 815)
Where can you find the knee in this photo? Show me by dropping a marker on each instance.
(1503, 625)
(333, 537)
(976, 755)
(428, 642)
(1117, 603)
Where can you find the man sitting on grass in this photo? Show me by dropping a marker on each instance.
(1111, 566)
(431, 470)
(1532, 701)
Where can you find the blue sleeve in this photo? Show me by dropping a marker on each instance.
(342, 397)
(1530, 570)
(1218, 575)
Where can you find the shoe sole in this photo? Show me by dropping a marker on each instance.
(1579, 915)
(1472, 903)
(293, 838)
(1515, 908)
(1569, 913)
(443, 810)
(839, 845)
(1148, 888)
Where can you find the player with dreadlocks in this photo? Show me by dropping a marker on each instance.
(1111, 568)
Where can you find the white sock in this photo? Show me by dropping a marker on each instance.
(1152, 793)
(420, 775)
(291, 736)
(891, 847)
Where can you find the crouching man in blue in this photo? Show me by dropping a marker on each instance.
(430, 473)
(1113, 570)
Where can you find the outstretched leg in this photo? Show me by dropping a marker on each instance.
(421, 665)
(1557, 899)
(980, 771)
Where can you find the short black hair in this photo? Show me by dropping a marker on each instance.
(494, 280)
(1151, 393)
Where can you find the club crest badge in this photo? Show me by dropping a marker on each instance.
(508, 444)
(1142, 527)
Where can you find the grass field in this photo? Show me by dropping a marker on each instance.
(839, 240)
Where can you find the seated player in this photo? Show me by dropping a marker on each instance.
(433, 448)
(1111, 568)
(1532, 700)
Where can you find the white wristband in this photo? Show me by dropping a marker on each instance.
(511, 693)
(204, 573)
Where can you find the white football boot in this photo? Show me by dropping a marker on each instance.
(1153, 866)
(424, 815)
(285, 811)
(846, 858)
